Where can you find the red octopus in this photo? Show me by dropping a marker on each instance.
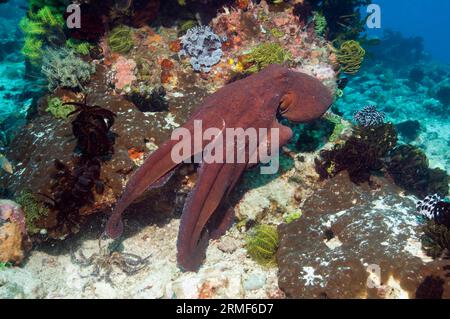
(253, 102)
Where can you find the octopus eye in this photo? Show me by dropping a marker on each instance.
(286, 102)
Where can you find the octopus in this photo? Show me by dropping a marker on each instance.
(257, 101)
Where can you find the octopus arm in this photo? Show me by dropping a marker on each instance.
(156, 170)
(214, 183)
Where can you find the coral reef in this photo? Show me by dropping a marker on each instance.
(57, 108)
(409, 130)
(33, 209)
(19, 90)
(64, 69)
(262, 244)
(292, 217)
(314, 135)
(147, 91)
(222, 176)
(416, 74)
(140, 133)
(435, 239)
(149, 100)
(350, 56)
(41, 28)
(137, 13)
(343, 17)
(6, 165)
(408, 165)
(320, 23)
(203, 46)
(14, 241)
(121, 39)
(81, 48)
(10, 38)
(434, 208)
(369, 116)
(387, 84)
(264, 55)
(361, 154)
(344, 229)
(92, 22)
(124, 73)
(73, 189)
(339, 126)
(443, 95)
(394, 50)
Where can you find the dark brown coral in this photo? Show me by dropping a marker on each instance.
(431, 288)
(408, 166)
(436, 239)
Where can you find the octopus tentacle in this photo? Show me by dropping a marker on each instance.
(224, 215)
(155, 172)
(156, 169)
(214, 181)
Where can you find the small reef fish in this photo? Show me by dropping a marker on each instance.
(6, 165)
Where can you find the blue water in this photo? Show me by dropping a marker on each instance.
(428, 19)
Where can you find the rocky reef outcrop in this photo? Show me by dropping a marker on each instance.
(14, 240)
(355, 242)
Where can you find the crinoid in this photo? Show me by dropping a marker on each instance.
(102, 263)
(435, 239)
(72, 189)
(360, 155)
(435, 208)
(447, 267)
(91, 128)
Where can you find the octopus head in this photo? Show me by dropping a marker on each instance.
(305, 98)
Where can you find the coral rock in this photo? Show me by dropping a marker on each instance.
(125, 73)
(14, 241)
(346, 232)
